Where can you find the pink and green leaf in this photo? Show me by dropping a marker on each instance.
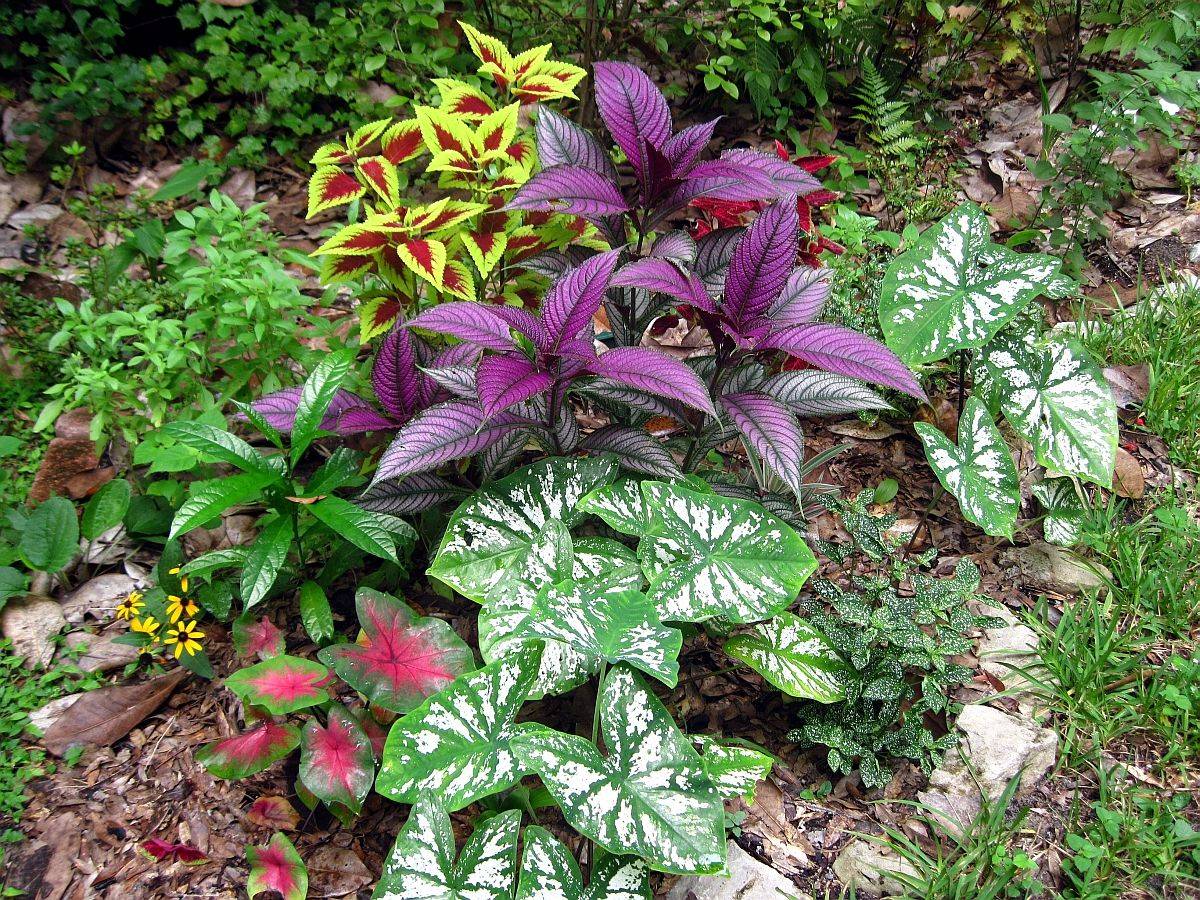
(337, 761)
(277, 867)
(282, 684)
(261, 638)
(247, 754)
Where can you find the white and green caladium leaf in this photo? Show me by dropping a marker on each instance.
(707, 556)
(955, 289)
(604, 561)
(457, 743)
(421, 865)
(1055, 396)
(494, 529)
(793, 656)
(611, 625)
(621, 506)
(650, 797)
(735, 770)
(978, 471)
(549, 872)
(1065, 513)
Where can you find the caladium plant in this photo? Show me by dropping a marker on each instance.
(277, 867)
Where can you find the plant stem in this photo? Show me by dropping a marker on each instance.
(591, 846)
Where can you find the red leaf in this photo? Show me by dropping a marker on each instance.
(337, 762)
(184, 853)
(277, 867)
(246, 754)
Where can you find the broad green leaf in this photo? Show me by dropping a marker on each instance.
(336, 760)
(1065, 513)
(649, 797)
(50, 539)
(793, 656)
(709, 556)
(978, 471)
(318, 392)
(281, 684)
(549, 872)
(337, 471)
(315, 613)
(1055, 396)
(215, 560)
(493, 529)
(106, 509)
(277, 867)
(218, 445)
(622, 506)
(422, 865)
(214, 497)
(372, 532)
(12, 583)
(264, 560)
(606, 561)
(955, 289)
(735, 770)
(457, 743)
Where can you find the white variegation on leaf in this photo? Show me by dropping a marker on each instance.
(955, 289)
(649, 797)
(1065, 513)
(421, 865)
(606, 562)
(622, 506)
(549, 872)
(792, 655)
(979, 471)
(1055, 396)
(457, 743)
(707, 556)
(735, 770)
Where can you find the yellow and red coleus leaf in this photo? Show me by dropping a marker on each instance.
(400, 659)
(281, 684)
(277, 867)
(457, 280)
(376, 315)
(329, 187)
(364, 136)
(451, 161)
(442, 131)
(489, 50)
(337, 761)
(257, 638)
(523, 152)
(442, 214)
(361, 239)
(332, 155)
(247, 754)
(401, 142)
(381, 175)
(485, 249)
(425, 257)
(550, 80)
(337, 269)
(463, 100)
(495, 133)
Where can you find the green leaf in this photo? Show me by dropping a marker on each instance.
(650, 797)
(13, 582)
(792, 655)
(457, 743)
(622, 506)
(372, 532)
(979, 471)
(1056, 397)
(493, 529)
(735, 770)
(217, 445)
(955, 289)
(50, 539)
(1065, 512)
(709, 556)
(212, 498)
(337, 471)
(106, 509)
(422, 864)
(264, 560)
(549, 872)
(281, 684)
(318, 392)
(315, 613)
(186, 181)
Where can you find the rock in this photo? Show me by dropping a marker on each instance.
(98, 597)
(30, 622)
(41, 214)
(87, 483)
(74, 425)
(101, 652)
(27, 188)
(8, 203)
(379, 92)
(1051, 568)
(239, 530)
(1004, 650)
(20, 125)
(865, 867)
(64, 459)
(748, 879)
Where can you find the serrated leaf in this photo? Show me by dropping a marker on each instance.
(318, 393)
(247, 754)
(635, 448)
(792, 655)
(1065, 512)
(281, 684)
(336, 761)
(457, 743)
(217, 445)
(549, 872)
(277, 867)
(409, 496)
(735, 770)
(649, 797)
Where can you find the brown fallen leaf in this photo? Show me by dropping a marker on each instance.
(1128, 480)
(864, 432)
(104, 716)
(1129, 384)
(336, 872)
(274, 813)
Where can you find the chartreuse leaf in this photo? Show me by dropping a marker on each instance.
(401, 659)
(281, 684)
(422, 862)
(247, 754)
(457, 743)
(649, 797)
(1055, 396)
(979, 471)
(1065, 512)
(955, 289)
(549, 872)
(793, 656)
(277, 867)
(494, 529)
(336, 761)
(318, 392)
(735, 770)
(709, 556)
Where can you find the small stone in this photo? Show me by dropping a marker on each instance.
(74, 425)
(63, 460)
(1004, 651)
(27, 188)
(30, 622)
(97, 597)
(863, 866)
(240, 530)
(101, 652)
(85, 484)
(748, 879)
(1050, 568)
(41, 214)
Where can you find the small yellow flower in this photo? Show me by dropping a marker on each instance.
(180, 607)
(183, 582)
(147, 626)
(185, 638)
(130, 606)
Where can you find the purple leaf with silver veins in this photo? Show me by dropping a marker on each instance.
(803, 297)
(632, 107)
(770, 429)
(677, 246)
(279, 408)
(685, 146)
(361, 419)
(507, 379)
(761, 264)
(561, 142)
(440, 434)
(472, 322)
(784, 177)
(569, 305)
(395, 377)
(657, 373)
(665, 278)
(570, 189)
(635, 448)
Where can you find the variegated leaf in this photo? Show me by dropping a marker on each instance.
(979, 471)
(457, 743)
(336, 761)
(792, 655)
(281, 684)
(622, 506)
(604, 561)
(955, 289)
(549, 872)
(1065, 512)
(649, 797)
(811, 392)
(735, 770)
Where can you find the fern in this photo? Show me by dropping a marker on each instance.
(888, 126)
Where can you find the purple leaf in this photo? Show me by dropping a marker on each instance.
(677, 246)
(761, 263)
(635, 449)
(771, 432)
(439, 434)
(472, 322)
(561, 142)
(459, 355)
(507, 379)
(784, 177)
(837, 349)
(725, 180)
(810, 392)
(649, 370)
(684, 147)
(803, 297)
(457, 381)
(665, 278)
(713, 251)
(657, 178)
(525, 322)
(279, 408)
(570, 189)
(409, 496)
(394, 377)
(611, 392)
(632, 107)
(359, 419)
(551, 263)
(572, 300)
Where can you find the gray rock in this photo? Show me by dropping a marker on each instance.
(1002, 651)
(101, 652)
(1050, 568)
(748, 879)
(30, 622)
(42, 214)
(98, 597)
(864, 866)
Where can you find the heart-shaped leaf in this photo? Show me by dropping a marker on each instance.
(549, 872)
(277, 867)
(793, 656)
(735, 770)
(262, 638)
(979, 471)
(622, 506)
(246, 754)
(456, 744)
(336, 762)
(281, 684)
(400, 659)
(1065, 512)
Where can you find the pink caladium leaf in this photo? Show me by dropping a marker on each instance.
(506, 379)
(337, 762)
(277, 867)
(573, 190)
(395, 377)
(573, 299)
(247, 754)
(654, 372)
(473, 322)
(440, 434)
(157, 848)
(561, 142)
(785, 178)
(274, 813)
(400, 659)
(846, 352)
(632, 107)
(771, 431)
(761, 264)
(664, 277)
(257, 638)
(802, 299)
(281, 684)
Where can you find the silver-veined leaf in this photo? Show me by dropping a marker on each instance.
(549, 872)
(792, 655)
(1065, 513)
(811, 392)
